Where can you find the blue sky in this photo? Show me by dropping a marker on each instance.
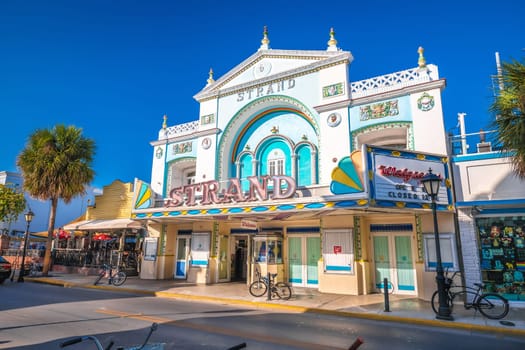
(114, 68)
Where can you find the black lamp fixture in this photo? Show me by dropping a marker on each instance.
(29, 217)
(431, 183)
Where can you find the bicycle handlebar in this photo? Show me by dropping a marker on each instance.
(81, 339)
(153, 328)
(110, 345)
(70, 342)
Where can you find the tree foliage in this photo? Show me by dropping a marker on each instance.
(509, 107)
(12, 204)
(56, 164)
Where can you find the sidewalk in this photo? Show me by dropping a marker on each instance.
(401, 308)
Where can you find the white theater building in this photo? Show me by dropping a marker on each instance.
(293, 168)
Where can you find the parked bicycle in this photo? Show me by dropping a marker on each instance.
(259, 287)
(491, 305)
(117, 279)
(35, 268)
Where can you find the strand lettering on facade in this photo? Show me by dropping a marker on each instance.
(259, 188)
(269, 89)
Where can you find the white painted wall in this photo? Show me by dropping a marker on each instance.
(157, 168)
(428, 126)
(491, 178)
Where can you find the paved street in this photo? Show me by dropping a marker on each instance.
(40, 316)
(401, 308)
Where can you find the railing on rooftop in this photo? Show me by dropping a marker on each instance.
(393, 81)
(473, 143)
(182, 129)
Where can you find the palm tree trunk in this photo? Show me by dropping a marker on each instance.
(49, 243)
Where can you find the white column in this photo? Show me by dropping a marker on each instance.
(314, 174)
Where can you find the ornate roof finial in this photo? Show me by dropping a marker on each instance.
(210, 77)
(165, 122)
(332, 43)
(421, 62)
(265, 42)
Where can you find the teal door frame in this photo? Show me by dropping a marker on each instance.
(304, 252)
(393, 259)
(182, 252)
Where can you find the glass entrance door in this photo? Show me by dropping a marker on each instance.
(393, 260)
(239, 258)
(304, 252)
(223, 258)
(181, 260)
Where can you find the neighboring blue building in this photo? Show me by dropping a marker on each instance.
(490, 201)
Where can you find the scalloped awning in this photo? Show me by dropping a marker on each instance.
(112, 224)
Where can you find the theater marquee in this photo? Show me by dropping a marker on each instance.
(395, 177)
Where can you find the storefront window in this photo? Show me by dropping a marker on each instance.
(200, 248)
(502, 255)
(338, 251)
(268, 249)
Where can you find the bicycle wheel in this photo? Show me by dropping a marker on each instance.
(101, 274)
(119, 278)
(493, 306)
(258, 288)
(283, 290)
(435, 301)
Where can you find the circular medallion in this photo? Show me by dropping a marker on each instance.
(425, 102)
(262, 69)
(333, 119)
(158, 152)
(206, 143)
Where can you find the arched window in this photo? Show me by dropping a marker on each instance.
(181, 172)
(189, 177)
(245, 170)
(395, 135)
(276, 162)
(304, 166)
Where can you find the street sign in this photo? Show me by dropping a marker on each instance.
(248, 224)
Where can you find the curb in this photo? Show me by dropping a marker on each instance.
(295, 308)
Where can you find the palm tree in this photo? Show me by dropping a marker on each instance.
(56, 164)
(509, 107)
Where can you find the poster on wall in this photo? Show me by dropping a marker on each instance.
(200, 248)
(338, 251)
(396, 177)
(150, 248)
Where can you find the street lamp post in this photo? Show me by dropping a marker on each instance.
(29, 217)
(431, 183)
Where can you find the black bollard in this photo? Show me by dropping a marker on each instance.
(269, 287)
(385, 288)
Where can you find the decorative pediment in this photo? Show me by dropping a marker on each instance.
(267, 65)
